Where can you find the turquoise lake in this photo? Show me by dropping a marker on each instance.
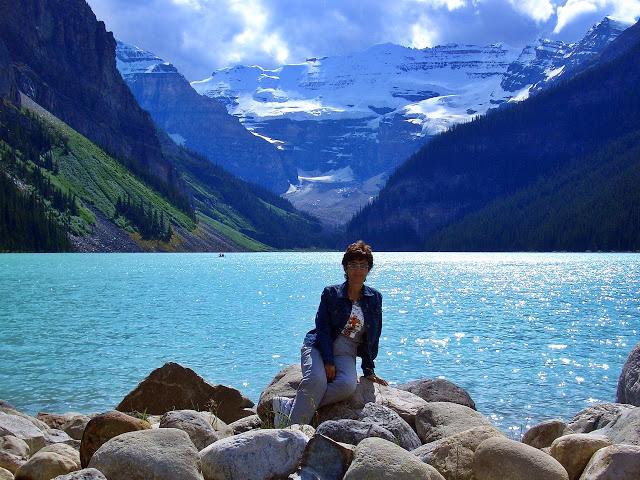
(529, 336)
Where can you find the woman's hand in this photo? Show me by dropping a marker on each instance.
(330, 370)
(376, 379)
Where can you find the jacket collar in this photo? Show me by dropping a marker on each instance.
(343, 290)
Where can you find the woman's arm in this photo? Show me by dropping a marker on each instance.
(323, 329)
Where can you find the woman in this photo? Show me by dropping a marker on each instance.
(348, 324)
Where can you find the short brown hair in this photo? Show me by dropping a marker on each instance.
(358, 251)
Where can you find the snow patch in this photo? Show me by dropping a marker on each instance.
(178, 139)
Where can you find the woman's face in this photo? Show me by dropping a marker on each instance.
(357, 271)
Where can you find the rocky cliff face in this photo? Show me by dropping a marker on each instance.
(200, 123)
(63, 58)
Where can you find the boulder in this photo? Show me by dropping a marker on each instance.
(84, 474)
(391, 421)
(625, 429)
(254, 455)
(308, 430)
(286, 382)
(376, 458)
(40, 425)
(453, 456)
(245, 424)
(73, 424)
(575, 450)
(199, 430)
(596, 417)
(53, 436)
(15, 446)
(11, 462)
(222, 429)
(5, 474)
(104, 427)
(353, 431)
(174, 387)
(499, 457)
(442, 419)
(616, 462)
(49, 462)
(403, 403)
(439, 390)
(629, 380)
(22, 428)
(542, 435)
(159, 453)
(325, 459)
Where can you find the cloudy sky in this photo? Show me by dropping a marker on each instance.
(199, 36)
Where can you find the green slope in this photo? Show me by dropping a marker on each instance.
(36, 148)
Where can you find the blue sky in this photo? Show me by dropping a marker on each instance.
(199, 36)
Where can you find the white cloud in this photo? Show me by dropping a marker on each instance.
(450, 4)
(538, 10)
(627, 10)
(422, 36)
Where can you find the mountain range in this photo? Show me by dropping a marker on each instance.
(347, 122)
(84, 167)
(554, 172)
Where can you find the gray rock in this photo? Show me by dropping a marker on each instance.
(442, 419)
(625, 429)
(629, 380)
(5, 474)
(53, 436)
(575, 450)
(378, 459)
(285, 384)
(353, 431)
(73, 424)
(453, 456)
(254, 455)
(199, 430)
(390, 420)
(84, 474)
(11, 462)
(161, 454)
(21, 427)
(403, 403)
(222, 429)
(49, 462)
(325, 459)
(439, 390)
(308, 430)
(543, 434)
(499, 457)
(15, 446)
(596, 417)
(617, 462)
(245, 424)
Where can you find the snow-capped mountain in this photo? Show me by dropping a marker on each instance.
(539, 66)
(200, 123)
(347, 121)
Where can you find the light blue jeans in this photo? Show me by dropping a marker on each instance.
(314, 391)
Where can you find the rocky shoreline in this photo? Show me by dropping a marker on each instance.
(174, 425)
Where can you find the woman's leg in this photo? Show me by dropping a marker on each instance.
(345, 383)
(312, 387)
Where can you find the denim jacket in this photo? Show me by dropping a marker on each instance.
(332, 316)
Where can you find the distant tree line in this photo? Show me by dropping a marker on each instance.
(145, 218)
